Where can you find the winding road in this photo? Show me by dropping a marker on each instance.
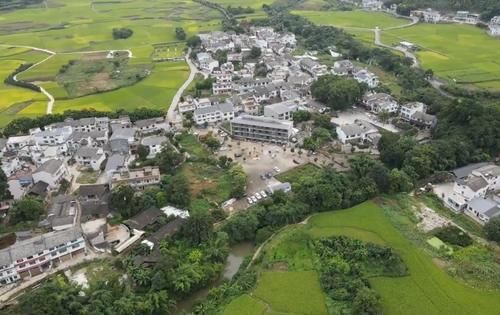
(171, 113)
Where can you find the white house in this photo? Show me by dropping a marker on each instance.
(357, 131)
(206, 62)
(367, 77)
(90, 157)
(214, 113)
(343, 68)
(18, 142)
(312, 67)
(466, 17)
(54, 136)
(409, 109)
(483, 209)
(281, 111)
(380, 102)
(154, 144)
(494, 29)
(373, 5)
(51, 172)
(152, 125)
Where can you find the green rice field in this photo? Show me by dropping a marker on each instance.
(70, 28)
(352, 19)
(462, 53)
(427, 289)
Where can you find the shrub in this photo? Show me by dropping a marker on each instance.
(453, 235)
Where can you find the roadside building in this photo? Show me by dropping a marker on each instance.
(138, 178)
(261, 129)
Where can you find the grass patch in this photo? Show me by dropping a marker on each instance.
(296, 292)
(294, 175)
(192, 146)
(87, 177)
(245, 305)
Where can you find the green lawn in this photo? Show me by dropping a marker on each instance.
(428, 289)
(454, 52)
(355, 19)
(245, 305)
(292, 292)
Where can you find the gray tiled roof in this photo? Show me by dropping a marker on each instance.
(465, 171)
(261, 122)
(38, 244)
(473, 182)
(484, 206)
(154, 140)
(91, 153)
(50, 166)
(115, 161)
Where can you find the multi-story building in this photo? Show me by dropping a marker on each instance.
(137, 178)
(214, 113)
(154, 144)
(206, 62)
(281, 111)
(51, 172)
(152, 125)
(39, 254)
(367, 77)
(55, 136)
(360, 130)
(261, 129)
(90, 157)
(313, 68)
(380, 102)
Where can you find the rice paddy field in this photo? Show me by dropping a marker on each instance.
(73, 28)
(463, 53)
(352, 19)
(427, 289)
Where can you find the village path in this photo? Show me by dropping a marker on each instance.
(193, 70)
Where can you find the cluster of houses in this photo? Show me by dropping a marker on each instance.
(475, 192)
(463, 17)
(37, 164)
(260, 108)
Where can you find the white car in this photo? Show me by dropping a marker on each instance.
(253, 199)
(276, 169)
(263, 194)
(259, 197)
(250, 201)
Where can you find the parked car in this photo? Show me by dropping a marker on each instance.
(269, 175)
(250, 201)
(253, 199)
(263, 194)
(263, 177)
(259, 197)
(276, 169)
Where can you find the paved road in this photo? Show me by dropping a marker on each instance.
(171, 114)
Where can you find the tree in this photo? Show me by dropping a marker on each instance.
(238, 181)
(367, 302)
(142, 152)
(301, 115)
(198, 228)
(336, 92)
(255, 52)
(193, 41)
(122, 33)
(384, 116)
(168, 159)
(122, 200)
(492, 229)
(210, 141)
(4, 186)
(176, 189)
(26, 209)
(400, 181)
(180, 34)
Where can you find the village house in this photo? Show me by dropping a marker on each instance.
(154, 144)
(367, 77)
(90, 158)
(62, 212)
(359, 131)
(380, 102)
(373, 5)
(151, 125)
(312, 67)
(33, 256)
(342, 68)
(281, 111)
(16, 143)
(206, 62)
(138, 178)
(51, 172)
(428, 15)
(494, 26)
(415, 113)
(466, 17)
(93, 201)
(214, 113)
(55, 136)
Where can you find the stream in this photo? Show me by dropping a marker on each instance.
(237, 254)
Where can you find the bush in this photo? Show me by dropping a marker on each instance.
(453, 235)
(492, 229)
(122, 33)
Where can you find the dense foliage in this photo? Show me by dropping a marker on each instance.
(336, 92)
(122, 33)
(345, 264)
(180, 34)
(454, 236)
(4, 186)
(492, 229)
(26, 209)
(11, 80)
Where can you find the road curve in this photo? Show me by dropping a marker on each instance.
(171, 114)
